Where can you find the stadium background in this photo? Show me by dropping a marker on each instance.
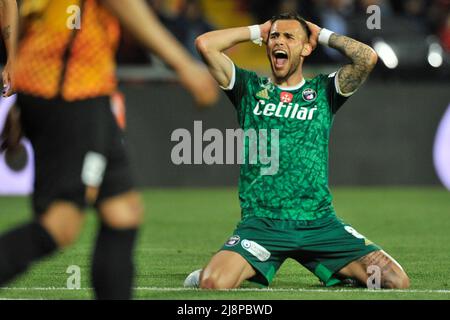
(381, 150)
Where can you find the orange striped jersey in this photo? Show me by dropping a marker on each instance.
(67, 49)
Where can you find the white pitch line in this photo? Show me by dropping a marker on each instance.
(255, 290)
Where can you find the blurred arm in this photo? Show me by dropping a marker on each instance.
(145, 26)
(9, 25)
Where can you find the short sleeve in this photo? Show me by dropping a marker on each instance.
(334, 94)
(238, 85)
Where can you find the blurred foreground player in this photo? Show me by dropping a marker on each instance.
(288, 213)
(65, 75)
(8, 23)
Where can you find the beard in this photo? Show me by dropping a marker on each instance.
(288, 71)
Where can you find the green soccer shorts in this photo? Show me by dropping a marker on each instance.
(324, 246)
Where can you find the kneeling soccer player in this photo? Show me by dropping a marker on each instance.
(289, 214)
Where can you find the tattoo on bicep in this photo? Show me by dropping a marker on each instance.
(351, 76)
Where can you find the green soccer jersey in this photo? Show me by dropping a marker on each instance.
(297, 123)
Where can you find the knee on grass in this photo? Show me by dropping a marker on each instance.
(215, 281)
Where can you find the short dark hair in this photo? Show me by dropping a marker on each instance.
(292, 16)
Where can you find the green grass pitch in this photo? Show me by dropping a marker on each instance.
(184, 227)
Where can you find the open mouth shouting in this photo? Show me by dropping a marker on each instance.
(280, 58)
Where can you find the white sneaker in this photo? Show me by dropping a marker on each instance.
(193, 279)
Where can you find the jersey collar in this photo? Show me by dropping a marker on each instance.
(293, 88)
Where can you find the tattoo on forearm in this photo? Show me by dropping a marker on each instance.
(6, 32)
(351, 76)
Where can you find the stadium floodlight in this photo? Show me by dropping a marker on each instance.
(386, 53)
(435, 52)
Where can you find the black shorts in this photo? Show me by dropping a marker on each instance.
(64, 135)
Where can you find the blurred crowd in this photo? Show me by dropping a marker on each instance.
(186, 22)
(188, 19)
(430, 15)
(427, 16)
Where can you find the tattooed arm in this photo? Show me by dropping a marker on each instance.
(9, 26)
(363, 59)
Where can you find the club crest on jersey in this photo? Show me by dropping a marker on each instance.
(309, 95)
(286, 97)
(234, 240)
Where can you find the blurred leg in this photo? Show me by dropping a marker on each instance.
(59, 226)
(112, 267)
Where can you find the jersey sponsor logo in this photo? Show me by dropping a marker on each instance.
(286, 97)
(282, 110)
(234, 240)
(309, 95)
(256, 249)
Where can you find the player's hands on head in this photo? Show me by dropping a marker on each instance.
(314, 38)
(265, 30)
(8, 80)
(196, 78)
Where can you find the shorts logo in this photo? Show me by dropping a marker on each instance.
(234, 240)
(255, 249)
(286, 97)
(94, 166)
(246, 244)
(309, 95)
(353, 232)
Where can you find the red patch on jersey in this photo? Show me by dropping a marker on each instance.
(286, 97)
